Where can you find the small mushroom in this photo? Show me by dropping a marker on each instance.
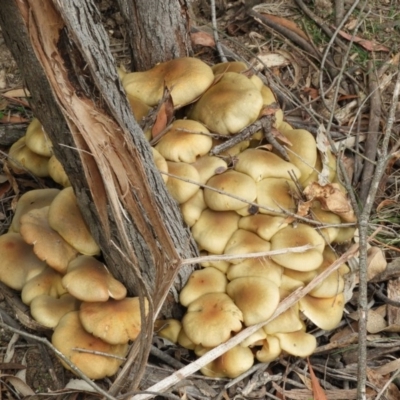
(299, 343)
(168, 329)
(270, 350)
(192, 209)
(37, 140)
(57, 172)
(263, 225)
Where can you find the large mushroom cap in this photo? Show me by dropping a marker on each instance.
(18, 262)
(70, 334)
(230, 105)
(186, 78)
(232, 183)
(89, 280)
(185, 141)
(300, 343)
(115, 321)
(213, 230)
(48, 245)
(66, 219)
(300, 235)
(288, 321)
(256, 297)
(211, 319)
(31, 200)
(261, 164)
(37, 140)
(22, 159)
(207, 280)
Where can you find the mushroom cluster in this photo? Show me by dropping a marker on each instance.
(239, 202)
(48, 255)
(235, 203)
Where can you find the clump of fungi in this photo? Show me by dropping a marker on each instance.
(238, 201)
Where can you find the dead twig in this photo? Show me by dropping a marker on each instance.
(215, 32)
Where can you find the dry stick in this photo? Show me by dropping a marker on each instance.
(284, 305)
(60, 355)
(371, 143)
(363, 228)
(215, 32)
(339, 11)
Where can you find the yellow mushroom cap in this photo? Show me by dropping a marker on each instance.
(22, 159)
(18, 262)
(298, 236)
(288, 321)
(200, 282)
(139, 108)
(256, 297)
(48, 282)
(325, 313)
(31, 200)
(114, 321)
(70, 334)
(261, 267)
(185, 141)
(180, 190)
(186, 78)
(211, 319)
(231, 364)
(228, 106)
(161, 163)
(66, 218)
(89, 280)
(276, 194)
(263, 225)
(260, 164)
(271, 349)
(244, 242)
(57, 172)
(208, 166)
(192, 209)
(233, 183)
(300, 343)
(37, 140)
(213, 230)
(48, 310)
(48, 245)
(168, 329)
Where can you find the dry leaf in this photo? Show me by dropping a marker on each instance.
(376, 262)
(303, 208)
(272, 60)
(13, 119)
(165, 114)
(367, 44)
(375, 322)
(202, 39)
(318, 392)
(22, 92)
(379, 381)
(287, 24)
(332, 199)
(19, 385)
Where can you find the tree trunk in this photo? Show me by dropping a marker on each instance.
(62, 51)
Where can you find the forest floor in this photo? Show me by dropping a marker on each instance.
(344, 85)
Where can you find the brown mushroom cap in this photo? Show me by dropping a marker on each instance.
(300, 343)
(66, 219)
(37, 140)
(115, 321)
(200, 282)
(276, 194)
(89, 280)
(228, 106)
(48, 245)
(48, 282)
(256, 297)
(298, 236)
(256, 267)
(231, 364)
(213, 230)
(31, 200)
(18, 262)
(180, 190)
(57, 172)
(325, 313)
(184, 142)
(186, 78)
(263, 225)
(211, 319)
(260, 164)
(22, 159)
(48, 310)
(70, 334)
(244, 242)
(232, 183)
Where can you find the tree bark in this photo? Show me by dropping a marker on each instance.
(157, 30)
(62, 51)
